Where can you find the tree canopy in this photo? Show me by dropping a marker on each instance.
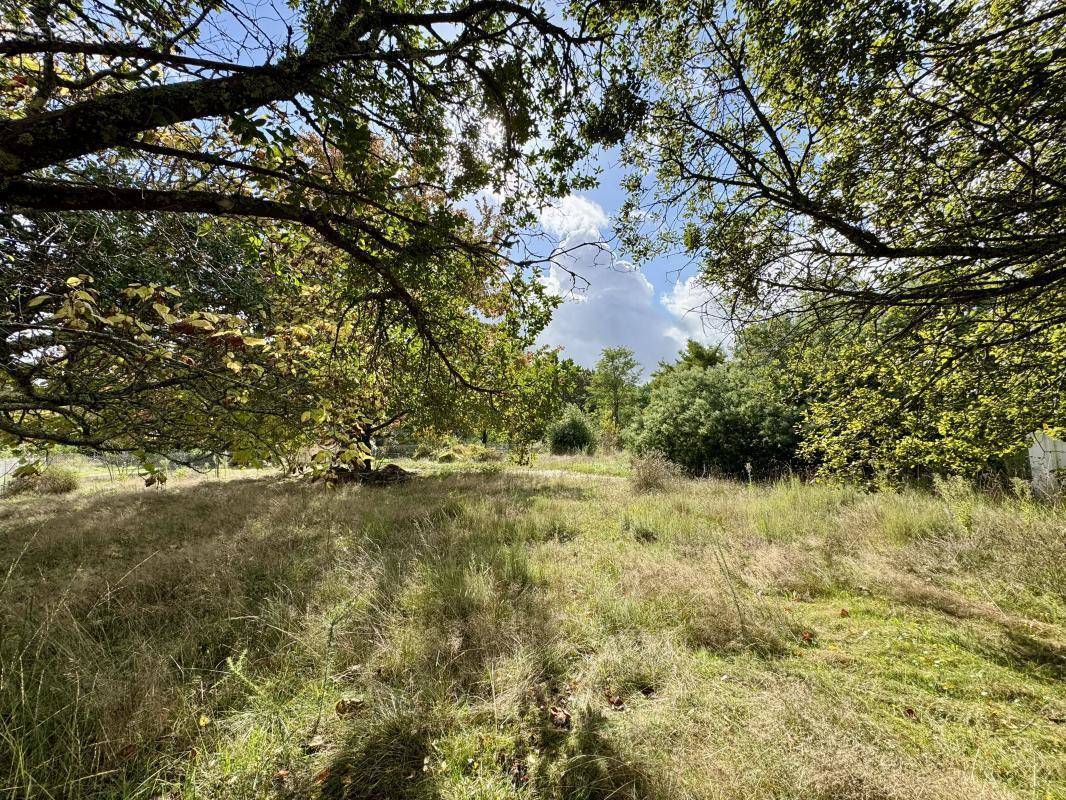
(849, 158)
(613, 388)
(206, 209)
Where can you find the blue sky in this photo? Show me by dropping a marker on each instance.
(647, 310)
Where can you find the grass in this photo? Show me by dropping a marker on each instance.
(610, 464)
(520, 634)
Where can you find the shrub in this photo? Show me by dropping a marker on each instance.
(423, 450)
(717, 419)
(572, 434)
(50, 480)
(609, 439)
(653, 472)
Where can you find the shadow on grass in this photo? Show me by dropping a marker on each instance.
(1035, 657)
(146, 596)
(590, 767)
(385, 760)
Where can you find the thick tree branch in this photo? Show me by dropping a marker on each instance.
(17, 47)
(57, 196)
(95, 125)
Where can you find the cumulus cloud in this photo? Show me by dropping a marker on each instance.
(574, 215)
(697, 314)
(609, 303)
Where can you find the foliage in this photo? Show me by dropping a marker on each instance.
(572, 433)
(854, 157)
(574, 384)
(98, 359)
(613, 390)
(695, 354)
(719, 419)
(262, 352)
(949, 406)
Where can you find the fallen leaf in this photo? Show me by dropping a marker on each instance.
(281, 775)
(845, 613)
(613, 700)
(560, 717)
(910, 713)
(349, 705)
(322, 776)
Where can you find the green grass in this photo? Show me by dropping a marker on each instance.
(612, 464)
(514, 634)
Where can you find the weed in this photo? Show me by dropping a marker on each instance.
(654, 472)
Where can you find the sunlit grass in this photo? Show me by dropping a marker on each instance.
(512, 633)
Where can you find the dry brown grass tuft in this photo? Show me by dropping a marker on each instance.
(653, 472)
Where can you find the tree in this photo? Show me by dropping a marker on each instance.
(614, 385)
(719, 418)
(574, 384)
(341, 139)
(894, 411)
(695, 354)
(850, 158)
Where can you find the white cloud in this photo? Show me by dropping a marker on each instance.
(610, 303)
(698, 315)
(572, 215)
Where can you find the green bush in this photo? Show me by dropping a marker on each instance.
(717, 419)
(573, 433)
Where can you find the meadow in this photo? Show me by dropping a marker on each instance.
(487, 631)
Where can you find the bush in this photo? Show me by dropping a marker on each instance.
(50, 480)
(450, 451)
(572, 434)
(717, 420)
(653, 472)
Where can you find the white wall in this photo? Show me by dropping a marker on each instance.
(1047, 460)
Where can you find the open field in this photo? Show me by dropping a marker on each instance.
(503, 633)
